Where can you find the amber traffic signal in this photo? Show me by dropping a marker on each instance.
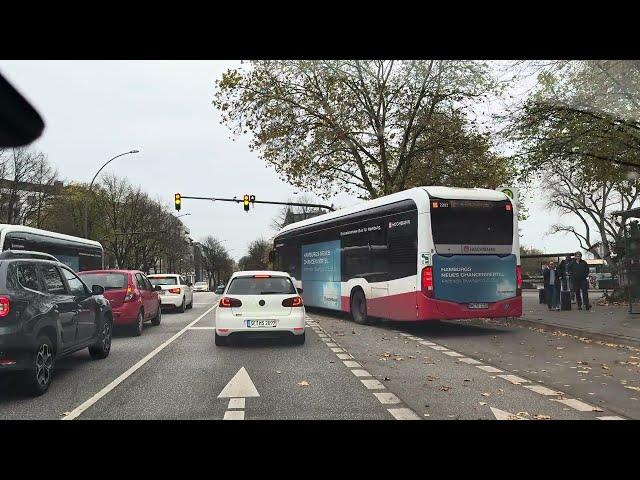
(178, 199)
(246, 203)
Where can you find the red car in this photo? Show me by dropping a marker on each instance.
(133, 299)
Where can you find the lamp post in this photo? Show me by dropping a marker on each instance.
(86, 195)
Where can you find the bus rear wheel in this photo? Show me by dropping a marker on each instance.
(359, 307)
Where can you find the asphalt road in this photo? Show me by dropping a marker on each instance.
(446, 370)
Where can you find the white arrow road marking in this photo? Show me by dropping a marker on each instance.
(239, 386)
(502, 415)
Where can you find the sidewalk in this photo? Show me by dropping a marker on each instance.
(609, 323)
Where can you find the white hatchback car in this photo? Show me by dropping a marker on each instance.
(260, 303)
(176, 291)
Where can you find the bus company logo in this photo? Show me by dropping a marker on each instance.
(399, 224)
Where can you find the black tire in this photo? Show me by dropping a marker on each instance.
(299, 339)
(158, 318)
(220, 340)
(182, 307)
(38, 377)
(102, 347)
(138, 327)
(359, 308)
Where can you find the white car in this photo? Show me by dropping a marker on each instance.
(260, 303)
(201, 287)
(176, 291)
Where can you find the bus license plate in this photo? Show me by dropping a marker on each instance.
(478, 305)
(261, 323)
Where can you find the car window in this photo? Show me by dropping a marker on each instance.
(183, 281)
(147, 283)
(52, 280)
(28, 276)
(163, 281)
(140, 282)
(261, 286)
(109, 281)
(76, 287)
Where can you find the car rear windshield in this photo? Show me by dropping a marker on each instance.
(471, 222)
(163, 281)
(108, 281)
(261, 286)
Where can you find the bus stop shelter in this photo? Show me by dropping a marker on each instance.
(630, 274)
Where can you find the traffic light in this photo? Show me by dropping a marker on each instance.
(252, 198)
(178, 199)
(246, 203)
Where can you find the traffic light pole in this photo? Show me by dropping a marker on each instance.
(241, 200)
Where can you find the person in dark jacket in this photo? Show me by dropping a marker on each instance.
(563, 272)
(579, 272)
(552, 286)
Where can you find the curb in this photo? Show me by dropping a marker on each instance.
(550, 327)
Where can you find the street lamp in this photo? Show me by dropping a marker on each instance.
(86, 195)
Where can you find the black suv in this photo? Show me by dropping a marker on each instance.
(47, 312)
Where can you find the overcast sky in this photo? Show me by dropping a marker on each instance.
(94, 110)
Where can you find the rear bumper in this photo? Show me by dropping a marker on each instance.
(15, 349)
(126, 314)
(226, 324)
(171, 300)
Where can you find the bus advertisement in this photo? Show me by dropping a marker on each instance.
(427, 253)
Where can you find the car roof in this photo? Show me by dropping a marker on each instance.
(110, 270)
(248, 273)
(162, 275)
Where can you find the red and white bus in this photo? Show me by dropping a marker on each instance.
(426, 253)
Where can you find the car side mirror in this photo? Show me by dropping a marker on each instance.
(189, 284)
(299, 290)
(157, 288)
(97, 290)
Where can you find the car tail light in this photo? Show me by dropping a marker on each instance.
(427, 282)
(518, 280)
(174, 290)
(228, 302)
(5, 306)
(131, 294)
(292, 302)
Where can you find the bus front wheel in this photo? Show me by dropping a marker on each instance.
(359, 307)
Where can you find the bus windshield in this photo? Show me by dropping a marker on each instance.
(471, 222)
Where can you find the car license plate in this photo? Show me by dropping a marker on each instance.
(261, 323)
(478, 305)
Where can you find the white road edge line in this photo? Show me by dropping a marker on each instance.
(76, 412)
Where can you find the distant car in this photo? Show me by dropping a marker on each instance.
(201, 287)
(47, 312)
(219, 289)
(176, 291)
(260, 303)
(134, 300)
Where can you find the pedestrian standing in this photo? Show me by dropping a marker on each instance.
(552, 286)
(579, 273)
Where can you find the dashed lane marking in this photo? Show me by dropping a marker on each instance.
(387, 398)
(236, 403)
(610, 417)
(489, 368)
(514, 379)
(425, 343)
(337, 350)
(542, 390)
(329, 344)
(453, 354)
(403, 414)
(344, 356)
(372, 384)
(76, 412)
(438, 347)
(351, 364)
(576, 404)
(234, 415)
(470, 361)
(360, 373)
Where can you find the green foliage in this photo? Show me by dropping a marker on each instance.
(369, 128)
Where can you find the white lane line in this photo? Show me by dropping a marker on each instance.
(372, 384)
(236, 403)
(337, 350)
(489, 368)
(405, 334)
(438, 347)
(610, 417)
(85, 405)
(453, 354)
(332, 344)
(417, 339)
(361, 373)
(344, 356)
(387, 398)
(513, 379)
(234, 415)
(202, 328)
(425, 343)
(576, 404)
(351, 364)
(470, 361)
(403, 414)
(542, 390)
